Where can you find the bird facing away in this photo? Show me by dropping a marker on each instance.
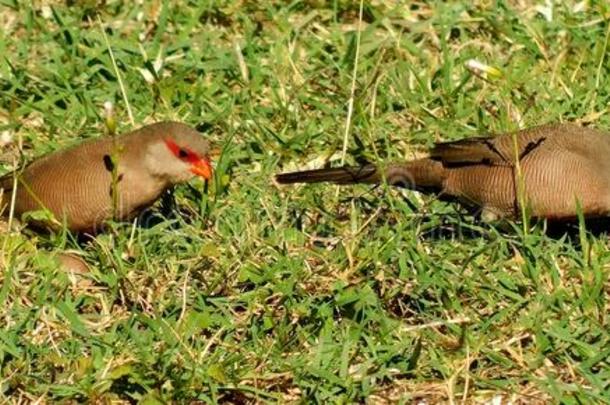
(552, 171)
(106, 178)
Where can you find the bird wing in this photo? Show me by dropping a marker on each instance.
(498, 150)
(469, 151)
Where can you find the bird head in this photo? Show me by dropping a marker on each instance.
(193, 155)
(179, 153)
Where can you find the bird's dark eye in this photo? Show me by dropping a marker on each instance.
(182, 154)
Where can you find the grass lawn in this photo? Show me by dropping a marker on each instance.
(261, 293)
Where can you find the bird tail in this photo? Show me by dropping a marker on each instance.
(339, 175)
(421, 174)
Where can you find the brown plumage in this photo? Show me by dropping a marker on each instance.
(109, 177)
(562, 166)
(72, 263)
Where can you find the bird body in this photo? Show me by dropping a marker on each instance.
(557, 169)
(109, 177)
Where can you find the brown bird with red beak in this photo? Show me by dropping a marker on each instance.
(551, 171)
(107, 178)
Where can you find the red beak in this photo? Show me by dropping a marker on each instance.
(202, 168)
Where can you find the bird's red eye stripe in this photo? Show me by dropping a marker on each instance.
(182, 153)
(171, 145)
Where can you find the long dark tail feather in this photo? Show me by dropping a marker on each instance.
(340, 175)
(423, 174)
